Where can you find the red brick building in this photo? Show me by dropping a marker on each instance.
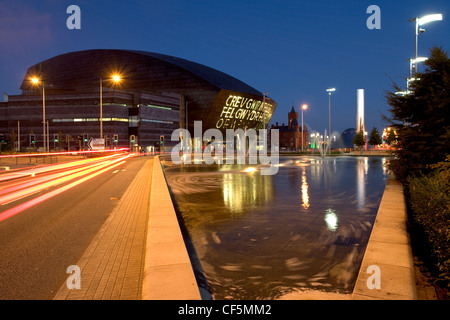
(291, 134)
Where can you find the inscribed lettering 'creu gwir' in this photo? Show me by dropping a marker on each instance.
(233, 110)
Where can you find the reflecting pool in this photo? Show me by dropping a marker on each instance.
(263, 237)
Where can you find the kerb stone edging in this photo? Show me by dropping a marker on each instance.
(389, 249)
(168, 273)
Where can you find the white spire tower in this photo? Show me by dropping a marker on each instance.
(360, 111)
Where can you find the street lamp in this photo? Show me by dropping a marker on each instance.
(420, 22)
(264, 131)
(115, 78)
(413, 63)
(37, 81)
(329, 90)
(186, 123)
(304, 107)
(264, 106)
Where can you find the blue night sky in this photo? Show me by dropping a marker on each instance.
(293, 50)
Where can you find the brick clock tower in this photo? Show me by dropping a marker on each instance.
(291, 135)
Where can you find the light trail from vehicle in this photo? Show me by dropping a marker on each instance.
(65, 153)
(17, 184)
(38, 184)
(49, 168)
(80, 175)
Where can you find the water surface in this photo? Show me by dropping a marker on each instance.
(262, 237)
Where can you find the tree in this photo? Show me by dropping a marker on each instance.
(421, 119)
(374, 137)
(391, 137)
(359, 140)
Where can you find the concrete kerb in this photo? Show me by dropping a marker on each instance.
(388, 249)
(168, 273)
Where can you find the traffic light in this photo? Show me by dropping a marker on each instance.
(132, 138)
(56, 137)
(85, 137)
(161, 139)
(116, 138)
(32, 139)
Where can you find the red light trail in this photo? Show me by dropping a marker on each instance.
(80, 171)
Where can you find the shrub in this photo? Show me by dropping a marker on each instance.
(429, 203)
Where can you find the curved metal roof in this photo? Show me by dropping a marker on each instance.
(219, 79)
(77, 69)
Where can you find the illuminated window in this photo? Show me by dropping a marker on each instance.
(157, 121)
(90, 120)
(115, 104)
(154, 106)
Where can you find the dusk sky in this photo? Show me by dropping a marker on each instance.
(294, 50)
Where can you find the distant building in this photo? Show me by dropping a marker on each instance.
(345, 139)
(291, 134)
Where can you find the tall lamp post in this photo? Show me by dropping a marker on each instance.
(264, 107)
(420, 22)
(186, 122)
(36, 81)
(115, 78)
(304, 107)
(329, 90)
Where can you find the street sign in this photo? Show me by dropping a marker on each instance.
(96, 144)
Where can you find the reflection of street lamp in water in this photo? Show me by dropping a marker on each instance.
(305, 195)
(331, 220)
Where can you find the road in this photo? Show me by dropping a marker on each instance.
(38, 243)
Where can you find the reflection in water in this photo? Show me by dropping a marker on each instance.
(244, 191)
(331, 219)
(362, 169)
(262, 237)
(305, 197)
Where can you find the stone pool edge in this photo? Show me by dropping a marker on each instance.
(388, 256)
(168, 273)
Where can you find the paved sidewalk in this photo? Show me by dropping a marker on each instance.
(388, 249)
(112, 267)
